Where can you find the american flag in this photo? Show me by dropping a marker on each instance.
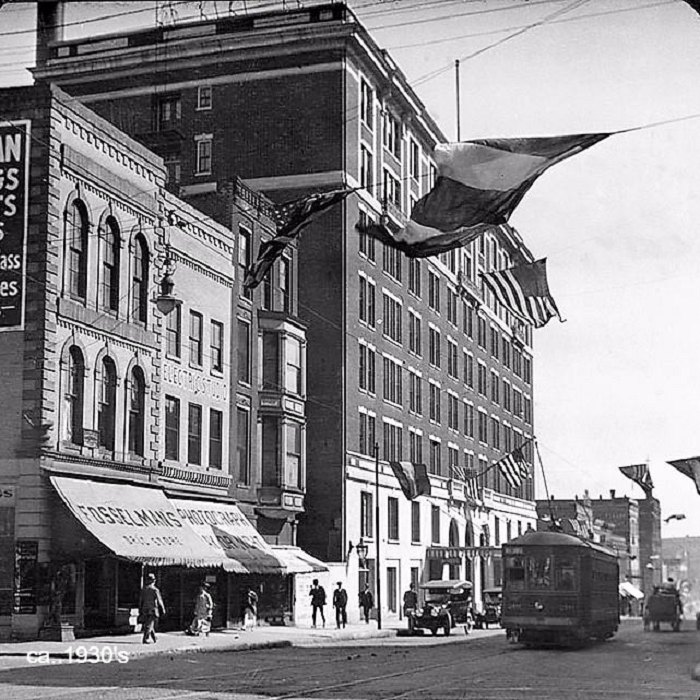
(690, 467)
(468, 476)
(290, 218)
(523, 289)
(514, 467)
(639, 473)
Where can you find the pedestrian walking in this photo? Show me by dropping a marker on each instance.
(250, 610)
(410, 603)
(340, 603)
(318, 600)
(151, 608)
(366, 602)
(203, 608)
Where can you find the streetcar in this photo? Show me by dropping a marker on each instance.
(558, 589)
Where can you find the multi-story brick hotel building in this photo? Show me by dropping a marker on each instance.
(411, 354)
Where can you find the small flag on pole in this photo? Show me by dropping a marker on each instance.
(514, 467)
(290, 219)
(479, 185)
(524, 290)
(413, 479)
(690, 467)
(639, 473)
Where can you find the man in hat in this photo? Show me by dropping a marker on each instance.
(203, 608)
(340, 603)
(318, 600)
(150, 608)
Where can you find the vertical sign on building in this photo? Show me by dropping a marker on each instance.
(14, 182)
(7, 547)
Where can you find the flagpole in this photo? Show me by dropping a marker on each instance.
(459, 132)
(497, 462)
(378, 572)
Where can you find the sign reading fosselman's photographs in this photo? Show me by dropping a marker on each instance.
(14, 176)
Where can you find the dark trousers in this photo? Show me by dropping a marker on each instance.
(317, 609)
(341, 616)
(365, 611)
(149, 627)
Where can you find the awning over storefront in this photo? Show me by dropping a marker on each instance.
(629, 590)
(297, 561)
(137, 523)
(224, 527)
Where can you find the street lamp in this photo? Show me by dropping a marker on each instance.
(362, 550)
(165, 301)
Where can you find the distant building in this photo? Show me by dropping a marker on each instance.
(681, 561)
(412, 356)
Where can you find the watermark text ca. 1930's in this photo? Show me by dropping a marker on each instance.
(80, 655)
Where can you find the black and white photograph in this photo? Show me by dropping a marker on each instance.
(350, 349)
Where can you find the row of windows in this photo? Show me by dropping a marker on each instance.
(195, 430)
(109, 292)
(502, 393)
(501, 348)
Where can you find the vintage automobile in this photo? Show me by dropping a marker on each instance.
(663, 605)
(491, 613)
(446, 604)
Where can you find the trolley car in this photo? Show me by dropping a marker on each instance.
(558, 589)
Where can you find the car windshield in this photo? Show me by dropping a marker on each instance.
(437, 595)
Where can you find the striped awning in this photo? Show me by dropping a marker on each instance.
(297, 561)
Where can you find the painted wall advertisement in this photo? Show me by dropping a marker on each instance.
(14, 180)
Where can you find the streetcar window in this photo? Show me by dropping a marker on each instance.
(539, 572)
(565, 570)
(515, 571)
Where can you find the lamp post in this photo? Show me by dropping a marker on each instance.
(378, 575)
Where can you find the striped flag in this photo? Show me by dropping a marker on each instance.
(523, 289)
(468, 476)
(479, 185)
(290, 219)
(514, 467)
(413, 479)
(690, 467)
(639, 473)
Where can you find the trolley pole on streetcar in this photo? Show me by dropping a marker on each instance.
(378, 570)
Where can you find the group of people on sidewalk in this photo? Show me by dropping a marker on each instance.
(340, 603)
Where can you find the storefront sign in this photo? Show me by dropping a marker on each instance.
(195, 382)
(14, 180)
(26, 578)
(7, 546)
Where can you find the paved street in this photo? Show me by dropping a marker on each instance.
(635, 665)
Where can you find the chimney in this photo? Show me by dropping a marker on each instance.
(49, 27)
(612, 493)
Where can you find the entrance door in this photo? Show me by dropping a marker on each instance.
(392, 582)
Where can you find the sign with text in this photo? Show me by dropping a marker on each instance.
(14, 184)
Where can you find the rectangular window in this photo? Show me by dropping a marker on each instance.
(368, 433)
(367, 301)
(244, 258)
(452, 412)
(173, 332)
(434, 402)
(495, 433)
(414, 276)
(468, 370)
(392, 135)
(414, 164)
(392, 190)
(204, 147)
(469, 420)
(494, 343)
(527, 410)
(243, 351)
(452, 361)
(468, 320)
(367, 242)
(366, 169)
(415, 522)
(366, 515)
(204, 97)
(433, 291)
(435, 524)
(483, 427)
(415, 447)
(242, 444)
(393, 390)
(393, 518)
(527, 370)
(393, 442)
(435, 466)
(391, 262)
(270, 461)
(392, 321)
(217, 346)
(216, 438)
(270, 361)
(173, 168)
(505, 352)
(292, 370)
(172, 428)
(452, 307)
(293, 456)
(415, 342)
(367, 379)
(366, 104)
(506, 396)
(194, 434)
(169, 111)
(196, 324)
(286, 284)
(415, 393)
(481, 377)
(495, 386)
(434, 346)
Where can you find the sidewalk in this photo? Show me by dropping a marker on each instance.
(178, 642)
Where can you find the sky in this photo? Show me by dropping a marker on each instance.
(619, 382)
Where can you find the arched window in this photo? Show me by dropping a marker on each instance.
(106, 403)
(77, 233)
(139, 281)
(73, 396)
(137, 409)
(109, 281)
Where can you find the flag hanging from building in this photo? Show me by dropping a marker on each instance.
(479, 185)
(639, 473)
(514, 467)
(524, 290)
(413, 479)
(690, 467)
(290, 218)
(468, 476)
